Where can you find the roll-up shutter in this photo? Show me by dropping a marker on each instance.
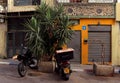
(98, 34)
(75, 43)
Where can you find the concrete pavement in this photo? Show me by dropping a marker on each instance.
(74, 66)
(9, 61)
(81, 74)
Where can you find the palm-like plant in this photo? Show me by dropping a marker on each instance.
(49, 29)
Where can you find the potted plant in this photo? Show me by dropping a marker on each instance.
(48, 29)
(103, 69)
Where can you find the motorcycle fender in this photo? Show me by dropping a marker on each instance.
(66, 70)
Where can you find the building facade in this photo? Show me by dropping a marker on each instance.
(96, 25)
(116, 37)
(13, 14)
(94, 29)
(3, 29)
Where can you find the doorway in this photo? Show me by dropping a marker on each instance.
(75, 43)
(15, 42)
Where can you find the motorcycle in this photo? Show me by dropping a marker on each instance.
(63, 63)
(26, 60)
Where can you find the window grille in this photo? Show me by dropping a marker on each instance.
(26, 2)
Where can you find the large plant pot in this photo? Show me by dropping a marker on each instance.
(103, 70)
(46, 66)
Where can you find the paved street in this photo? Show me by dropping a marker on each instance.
(9, 74)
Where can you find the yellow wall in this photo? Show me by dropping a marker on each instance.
(84, 33)
(116, 44)
(49, 2)
(117, 11)
(3, 35)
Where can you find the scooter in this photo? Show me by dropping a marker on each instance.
(26, 60)
(63, 63)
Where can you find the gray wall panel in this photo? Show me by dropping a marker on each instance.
(75, 43)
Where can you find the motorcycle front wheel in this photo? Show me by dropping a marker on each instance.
(22, 69)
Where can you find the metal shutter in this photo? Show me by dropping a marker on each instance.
(75, 43)
(97, 34)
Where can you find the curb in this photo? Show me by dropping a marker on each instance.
(76, 70)
(8, 63)
(4, 63)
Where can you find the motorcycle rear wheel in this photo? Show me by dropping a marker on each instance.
(63, 75)
(66, 77)
(22, 69)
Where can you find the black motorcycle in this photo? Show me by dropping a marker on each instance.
(63, 63)
(26, 60)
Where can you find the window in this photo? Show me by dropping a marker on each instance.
(68, 1)
(26, 2)
(75, 0)
(63, 1)
(100, 1)
(35, 2)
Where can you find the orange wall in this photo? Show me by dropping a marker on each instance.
(84, 33)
